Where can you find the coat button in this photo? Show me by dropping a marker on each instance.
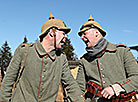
(104, 82)
(41, 90)
(44, 70)
(101, 69)
(45, 62)
(42, 83)
(103, 75)
(45, 57)
(40, 96)
(43, 76)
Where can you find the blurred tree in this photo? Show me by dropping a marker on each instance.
(5, 56)
(25, 40)
(68, 49)
(36, 40)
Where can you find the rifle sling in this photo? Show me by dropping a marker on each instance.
(21, 66)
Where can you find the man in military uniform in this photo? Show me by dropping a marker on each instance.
(107, 71)
(44, 68)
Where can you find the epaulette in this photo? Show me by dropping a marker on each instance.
(121, 45)
(23, 44)
(31, 44)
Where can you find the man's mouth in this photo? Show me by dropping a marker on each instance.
(86, 41)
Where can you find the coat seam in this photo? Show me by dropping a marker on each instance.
(40, 80)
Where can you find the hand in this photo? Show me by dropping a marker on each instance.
(108, 92)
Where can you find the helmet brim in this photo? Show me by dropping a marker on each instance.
(65, 29)
(83, 30)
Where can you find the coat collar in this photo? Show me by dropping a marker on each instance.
(41, 51)
(110, 48)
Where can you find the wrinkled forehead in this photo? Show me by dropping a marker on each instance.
(89, 30)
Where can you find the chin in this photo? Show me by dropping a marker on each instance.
(59, 47)
(87, 46)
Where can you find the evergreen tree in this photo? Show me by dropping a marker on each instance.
(68, 49)
(5, 56)
(25, 40)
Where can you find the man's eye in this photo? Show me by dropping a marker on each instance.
(84, 33)
(64, 34)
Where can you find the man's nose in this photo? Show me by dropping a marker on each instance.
(65, 36)
(82, 36)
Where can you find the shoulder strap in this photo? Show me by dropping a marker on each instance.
(22, 66)
(22, 62)
(121, 45)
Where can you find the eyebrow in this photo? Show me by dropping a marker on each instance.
(90, 29)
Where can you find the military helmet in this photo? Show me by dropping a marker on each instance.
(54, 23)
(91, 24)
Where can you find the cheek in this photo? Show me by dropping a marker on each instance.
(91, 38)
(59, 38)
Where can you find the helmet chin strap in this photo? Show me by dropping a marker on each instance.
(53, 29)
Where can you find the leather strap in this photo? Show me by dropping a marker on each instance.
(53, 29)
(21, 67)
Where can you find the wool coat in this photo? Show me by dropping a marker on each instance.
(40, 78)
(115, 64)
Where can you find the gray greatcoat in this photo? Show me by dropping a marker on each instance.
(115, 64)
(41, 77)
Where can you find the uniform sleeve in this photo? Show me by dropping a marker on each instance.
(81, 80)
(131, 67)
(10, 77)
(73, 90)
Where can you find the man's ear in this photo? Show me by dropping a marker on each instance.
(97, 33)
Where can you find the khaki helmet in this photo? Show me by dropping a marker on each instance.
(54, 23)
(91, 24)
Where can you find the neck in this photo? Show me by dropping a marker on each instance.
(47, 46)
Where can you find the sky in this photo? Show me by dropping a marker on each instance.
(20, 18)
